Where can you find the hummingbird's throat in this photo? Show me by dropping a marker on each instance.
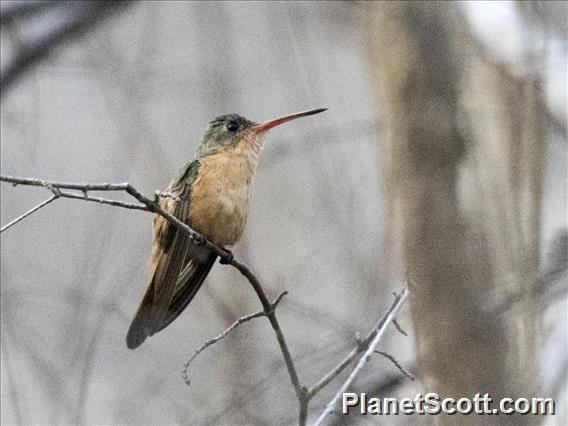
(250, 147)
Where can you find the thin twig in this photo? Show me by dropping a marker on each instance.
(100, 200)
(362, 345)
(377, 335)
(224, 334)
(64, 185)
(397, 364)
(325, 380)
(398, 327)
(29, 212)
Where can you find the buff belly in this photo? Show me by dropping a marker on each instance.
(220, 197)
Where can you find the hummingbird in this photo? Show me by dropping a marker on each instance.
(211, 194)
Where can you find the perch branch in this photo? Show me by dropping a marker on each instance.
(271, 315)
(147, 204)
(65, 190)
(100, 200)
(153, 206)
(224, 334)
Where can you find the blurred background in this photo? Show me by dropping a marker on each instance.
(442, 158)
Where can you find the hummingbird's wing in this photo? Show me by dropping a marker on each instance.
(168, 255)
(168, 259)
(198, 262)
(189, 281)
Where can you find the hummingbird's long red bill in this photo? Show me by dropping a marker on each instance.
(267, 125)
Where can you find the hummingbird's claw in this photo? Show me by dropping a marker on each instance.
(228, 258)
(197, 239)
(159, 194)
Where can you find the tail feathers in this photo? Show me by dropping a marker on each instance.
(139, 328)
(188, 282)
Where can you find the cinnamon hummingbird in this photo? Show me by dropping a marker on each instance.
(211, 194)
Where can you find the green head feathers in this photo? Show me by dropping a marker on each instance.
(223, 132)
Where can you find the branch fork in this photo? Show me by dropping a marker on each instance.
(304, 394)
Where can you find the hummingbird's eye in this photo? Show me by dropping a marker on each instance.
(232, 126)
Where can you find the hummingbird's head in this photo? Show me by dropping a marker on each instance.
(227, 131)
(224, 131)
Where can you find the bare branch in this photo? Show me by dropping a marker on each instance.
(29, 212)
(109, 202)
(253, 280)
(324, 381)
(149, 205)
(397, 364)
(64, 185)
(224, 334)
(80, 17)
(11, 12)
(362, 345)
(374, 338)
(62, 190)
(197, 238)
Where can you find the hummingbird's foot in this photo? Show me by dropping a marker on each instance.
(227, 258)
(197, 239)
(159, 194)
